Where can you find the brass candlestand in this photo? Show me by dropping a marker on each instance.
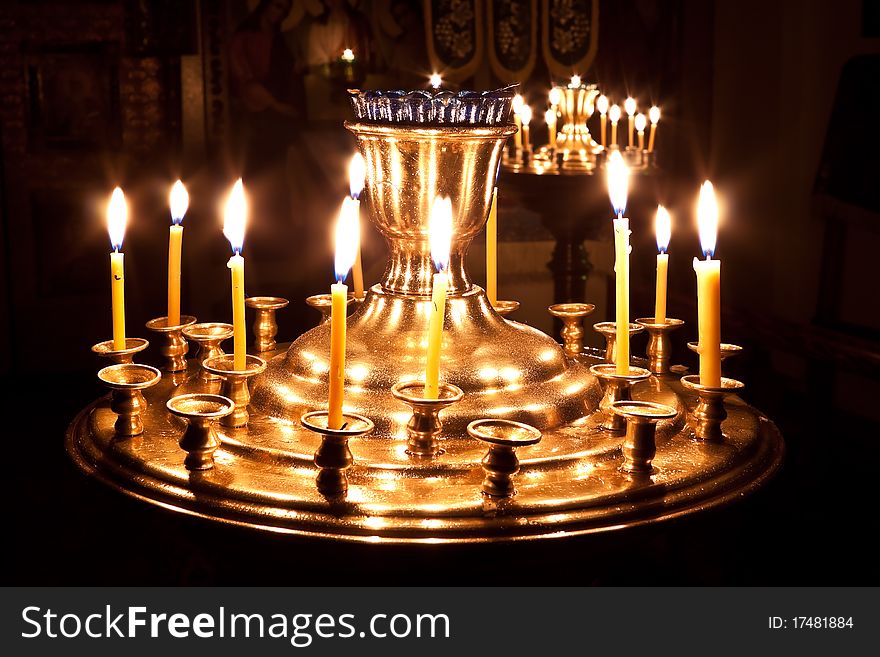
(235, 384)
(572, 316)
(709, 413)
(659, 345)
(424, 426)
(175, 346)
(608, 330)
(265, 326)
(208, 336)
(333, 456)
(200, 441)
(618, 388)
(322, 303)
(120, 356)
(126, 381)
(506, 307)
(727, 350)
(639, 445)
(501, 463)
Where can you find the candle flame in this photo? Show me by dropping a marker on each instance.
(348, 55)
(602, 104)
(525, 115)
(614, 113)
(654, 115)
(117, 217)
(435, 80)
(517, 103)
(707, 219)
(440, 230)
(235, 217)
(178, 199)
(575, 81)
(348, 238)
(555, 96)
(357, 171)
(618, 182)
(630, 105)
(550, 117)
(663, 228)
(641, 122)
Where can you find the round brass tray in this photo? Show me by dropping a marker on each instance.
(569, 484)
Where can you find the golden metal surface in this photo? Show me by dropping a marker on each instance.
(659, 345)
(265, 326)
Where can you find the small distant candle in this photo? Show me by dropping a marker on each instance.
(602, 106)
(436, 80)
(575, 82)
(641, 123)
(555, 96)
(348, 55)
(654, 116)
(614, 116)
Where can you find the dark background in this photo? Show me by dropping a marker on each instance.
(776, 102)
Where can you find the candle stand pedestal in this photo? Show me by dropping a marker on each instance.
(208, 337)
(265, 326)
(639, 444)
(572, 317)
(709, 413)
(659, 345)
(323, 304)
(333, 457)
(175, 347)
(199, 440)
(618, 388)
(235, 384)
(608, 330)
(424, 427)
(501, 463)
(127, 381)
(506, 307)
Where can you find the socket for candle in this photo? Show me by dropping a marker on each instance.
(126, 381)
(120, 356)
(323, 304)
(208, 335)
(501, 463)
(265, 326)
(235, 384)
(572, 316)
(709, 413)
(727, 350)
(618, 388)
(505, 308)
(333, 457)
(609, 332)
(175, 346)
(640, 445)
(659, 345)
(424, 427)
(200, 440)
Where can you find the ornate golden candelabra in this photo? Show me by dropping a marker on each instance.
(390, 474)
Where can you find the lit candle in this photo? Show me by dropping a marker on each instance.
(517, 107)
(117, 216)
(575, 82)
(708, 289)
(435, 80)
(602, 106)
(356, 174)
(654, 115)
(614, 117)
(663, 230)
(347, 245)
(550, 118)
(441, 241)
(641, 123)
(179, 202)
(492, 250)
(618, 176)
(234, 219)
(630, 106)
(525, 115)
(555, 98)
(348, 55)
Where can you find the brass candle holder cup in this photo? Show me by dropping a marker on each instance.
(235, 384)
(120, 356)
(608, 330)
(333, 457)
(175, 346)
(659, 344)
(618, 388)
(424, 427)
(501, 462)
(208, 335)
(709, 413)
(200, 440)
(727, 350)
(126, 381)
(639, 445)
(265, 326)
(572, 317)
(322, 303)
(505, 307)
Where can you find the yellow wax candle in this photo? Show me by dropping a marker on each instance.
(654, 115)
(117, 216)
(603, 120)
(708, 290)
(663, 230)
(550, 119)
(356, 175)
(338, 318)
(179, 202)
(525, 117)
(614, 116)
(517, 106)
(441, 240)
(618, 176)
(492, 251)
(602, 106)
(233, 227)
(630, 106)
(640, 128)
